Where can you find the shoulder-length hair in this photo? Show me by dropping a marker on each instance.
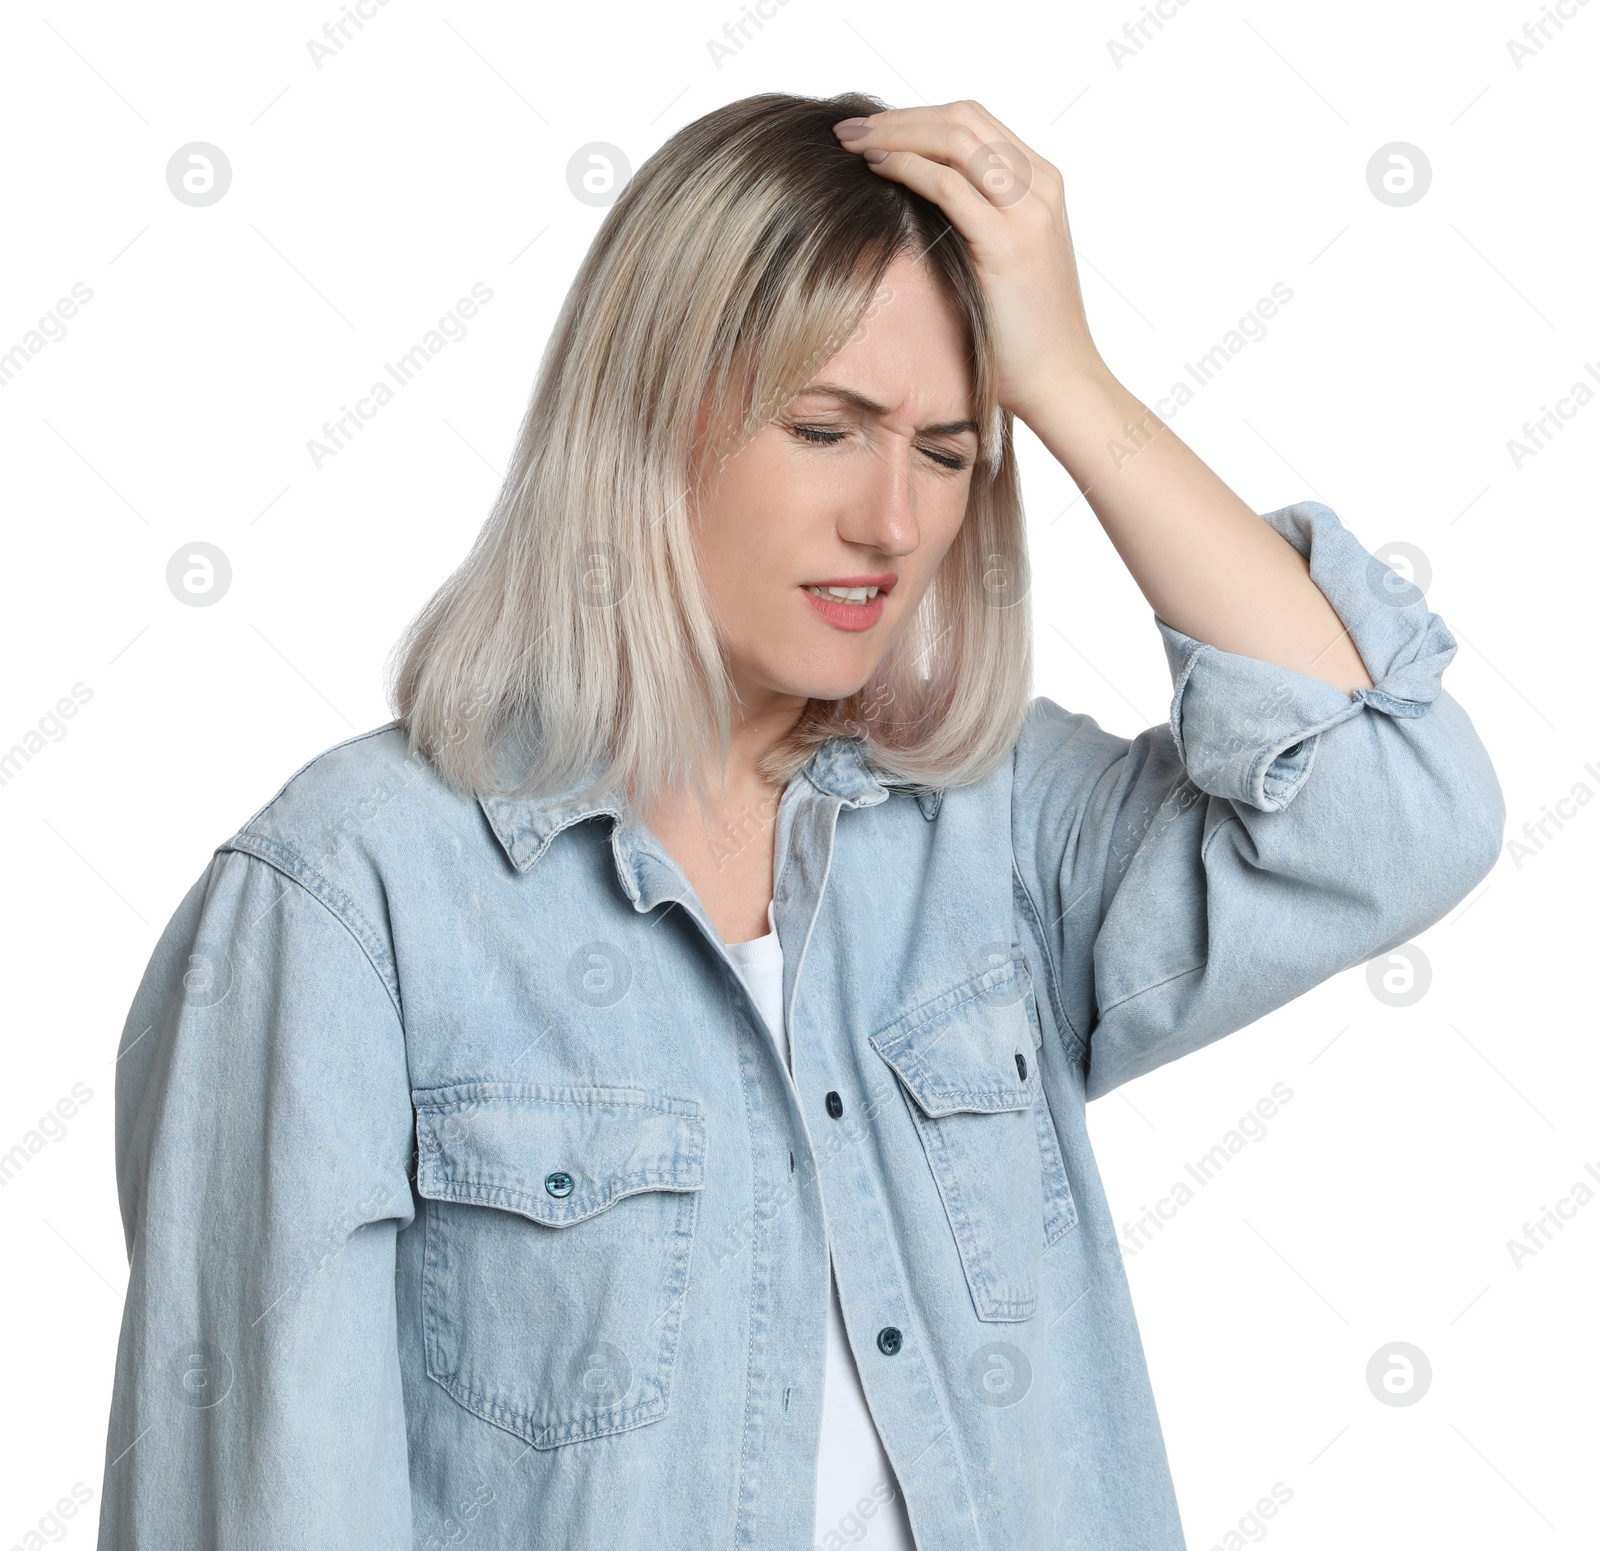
(740, 257)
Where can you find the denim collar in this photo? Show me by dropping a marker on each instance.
(525, 826)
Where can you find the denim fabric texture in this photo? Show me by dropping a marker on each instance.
(468, 1203)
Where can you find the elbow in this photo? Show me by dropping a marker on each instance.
(1472, 823)
(1447, 850)
(1457, 828)
(1486, 828)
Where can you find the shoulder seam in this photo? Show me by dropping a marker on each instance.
(336, 901)
(372, 732)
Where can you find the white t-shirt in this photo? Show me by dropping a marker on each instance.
(858, 1502)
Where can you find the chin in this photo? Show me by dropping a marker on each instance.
(819, 681)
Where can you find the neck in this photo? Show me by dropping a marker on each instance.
(726, 849)
(761, 721)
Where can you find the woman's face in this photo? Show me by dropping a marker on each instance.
(859, 482)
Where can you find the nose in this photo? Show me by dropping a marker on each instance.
(880, 508)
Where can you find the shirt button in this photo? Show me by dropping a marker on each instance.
(558, 1184)
(889, 1339)
(835, 1105)
(1022, 1066)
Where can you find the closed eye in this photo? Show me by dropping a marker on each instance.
(822, 436)
(815, 433)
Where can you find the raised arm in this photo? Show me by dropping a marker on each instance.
(1207, 564)
(1316, 795)
(1271, 833)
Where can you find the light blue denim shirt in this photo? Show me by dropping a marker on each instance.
(468, 1203)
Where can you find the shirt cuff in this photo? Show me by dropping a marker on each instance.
(1248, 730)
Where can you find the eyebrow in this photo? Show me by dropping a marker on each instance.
(861, 402)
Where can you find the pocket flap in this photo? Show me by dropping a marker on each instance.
(959, 1051)
(554, 1155)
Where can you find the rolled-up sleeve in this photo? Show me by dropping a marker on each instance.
(1272, 833)
(263, 1142)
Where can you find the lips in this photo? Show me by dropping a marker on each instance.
(850, 603)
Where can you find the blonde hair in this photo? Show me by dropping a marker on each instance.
(577, 635)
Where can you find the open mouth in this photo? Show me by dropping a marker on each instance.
(854, 595)
(850, 602)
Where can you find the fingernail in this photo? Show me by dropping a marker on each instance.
(850, 128)
(873, 156)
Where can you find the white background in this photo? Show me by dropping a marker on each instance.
(1228, 153)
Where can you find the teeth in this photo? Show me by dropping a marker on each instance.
(845, 594)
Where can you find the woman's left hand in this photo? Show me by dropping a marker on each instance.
(1007, 202)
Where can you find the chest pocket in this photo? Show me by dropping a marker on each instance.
(556, 1253)
(968, 1065)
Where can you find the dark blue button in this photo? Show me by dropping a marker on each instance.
(835, 1105)
(558, 1184)
(889, 1340)
(1292, 750)
(1022, 1066)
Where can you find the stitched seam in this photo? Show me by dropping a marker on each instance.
(1050, 967)
(385, 974)
(1232, 818)
(487, 1193)
(1153, 986)
(1211, 839)
(947, 1001)
(1175, 709)
(359, 737)
(520, 1420)
(584, 1098)
(984, 1280)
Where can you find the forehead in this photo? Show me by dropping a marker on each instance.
(909, 352)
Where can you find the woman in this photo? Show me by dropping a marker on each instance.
(636, 1098)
